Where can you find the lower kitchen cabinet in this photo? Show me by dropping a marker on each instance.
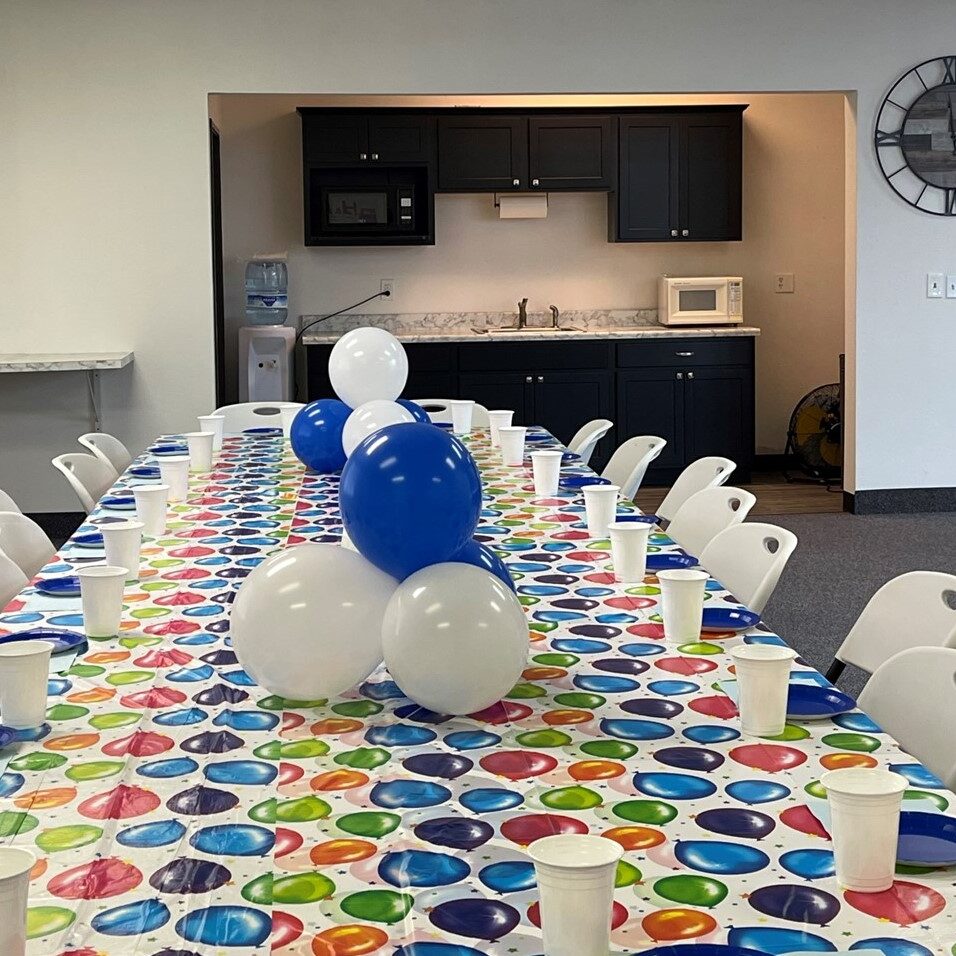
(650, 401)
(500, 390)
(718, 405)
(568, 400)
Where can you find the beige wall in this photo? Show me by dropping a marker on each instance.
(794, 212)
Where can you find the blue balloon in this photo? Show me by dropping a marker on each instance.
(490, 800)
(471, 739)
(715, 856)
(422, 868)
(159, 833)
(233, 839)
(773, 940)
(509, 876)
(131, 919)
(481, 556)
(408, 794)
(635, 729)
(918, 775)
(410, 497)
(250, 772)
(674, 786)
(605, 684)
(436, 949)
(710, 734)
(171, 767)
(757, 791)
(892, 947)
(10, 783)
(316, 434)
(399, 735)
(810, 864)
(226, 926)
(417, 412)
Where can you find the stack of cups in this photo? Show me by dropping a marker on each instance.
(575, 876)
(212, 423)
(763, 680)
(123, 541)
(174, 472)
(287, 415)
(865, 825)
(495, 421)
(200, 450)
(15, 867)
(682, 603)
(101, 593)
(546, 467)
(151, 508)
(629, 550)
(600, 506)
(511, 440)
(462, 410)
(24, 671)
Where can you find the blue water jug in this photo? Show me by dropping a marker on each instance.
(267, 292)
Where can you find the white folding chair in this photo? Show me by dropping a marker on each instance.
(439, 410)
(89, 477)
(252, 415)
(704, 515)
(628, 464)
(916, 609)
(12, 580)
(108, 449)
(24, 542)
(7, 503)
(698, 475)
(748, 560)
(912, 696)
(587, 437)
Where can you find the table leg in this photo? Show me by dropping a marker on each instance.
(93, 381)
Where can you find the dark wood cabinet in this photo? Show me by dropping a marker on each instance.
(650, 401)
(680, 177)
(341, 137)
(568, 400)
(334, 137)
(719, 402)
(501, 390)
(482, 153)
(571, 152)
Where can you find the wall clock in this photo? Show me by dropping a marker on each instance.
(916, 136)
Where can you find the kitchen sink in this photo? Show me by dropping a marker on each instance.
(530, 328)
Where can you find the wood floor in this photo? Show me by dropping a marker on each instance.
(775, 496)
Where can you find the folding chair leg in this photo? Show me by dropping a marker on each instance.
(836, 669)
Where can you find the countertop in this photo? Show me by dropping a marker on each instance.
(62, 361)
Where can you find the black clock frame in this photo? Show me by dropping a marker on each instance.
(906, 181)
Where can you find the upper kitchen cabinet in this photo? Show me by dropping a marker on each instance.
(571, 152)
(482, 153)
(680, 176)
(340, 137)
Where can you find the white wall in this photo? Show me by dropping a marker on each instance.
(104, 191)
(793, 222)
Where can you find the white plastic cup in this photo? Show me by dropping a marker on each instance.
(24, 670)
(462, 410)
(763, 679)
(629, 550)
(123, 541)
(546, 468)
(212, 423)
(511, 440)
(575, 876)
(15, 866)
(865, 825)
(151, 503)
(287, 415)
(174, 472)
(101, 593)
(496, 420)
(600, 507)
(682, 603)
(200, 450)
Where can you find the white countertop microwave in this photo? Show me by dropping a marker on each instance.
(700, 300)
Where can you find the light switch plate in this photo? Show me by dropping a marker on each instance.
(951, 286)
(934, 285)
(783, 282)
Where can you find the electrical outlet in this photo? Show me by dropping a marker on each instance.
(388, 285)
(951, 286)
(934, 285)
(783, 282)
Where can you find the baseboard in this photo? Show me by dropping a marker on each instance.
(58, 525)
(890, 501)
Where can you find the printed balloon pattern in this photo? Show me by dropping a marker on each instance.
(173, 801)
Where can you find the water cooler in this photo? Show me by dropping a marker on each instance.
(266, 363)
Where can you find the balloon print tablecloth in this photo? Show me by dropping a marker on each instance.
(176, 809)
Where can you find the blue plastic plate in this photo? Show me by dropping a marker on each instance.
(662, 560)
(119, 502)
(60, 639)
(66, 586)
(579, 481)
(446, 425)
(264, 430)
(570, 456)
(728, 619)
(537, 438)
(91, 539)
(812, 702)
(637, 519)
(926, 839)
(169, 450)
(144, 471)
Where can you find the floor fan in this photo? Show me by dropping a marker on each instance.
(815, 436)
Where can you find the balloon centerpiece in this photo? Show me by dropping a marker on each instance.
(414, 587)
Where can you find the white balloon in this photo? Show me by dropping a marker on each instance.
(366, 364)
(307, 622)
(369, 418)
(455, 638)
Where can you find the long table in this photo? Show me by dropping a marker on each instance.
(176, 808)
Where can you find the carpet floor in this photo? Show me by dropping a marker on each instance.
(840, 561)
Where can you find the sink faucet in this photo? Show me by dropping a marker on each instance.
(523, 314)
(554, 316)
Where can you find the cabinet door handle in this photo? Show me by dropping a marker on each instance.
(374, 155)
(674, 233)
(690, 374)
(540, 378)
(534, 182)
(684, 232)
(528, 379)
(680, 374)
(363, 155)
(515, 182)
(684, 354)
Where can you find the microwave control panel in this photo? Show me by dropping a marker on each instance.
(406, 208)
(735, 298)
